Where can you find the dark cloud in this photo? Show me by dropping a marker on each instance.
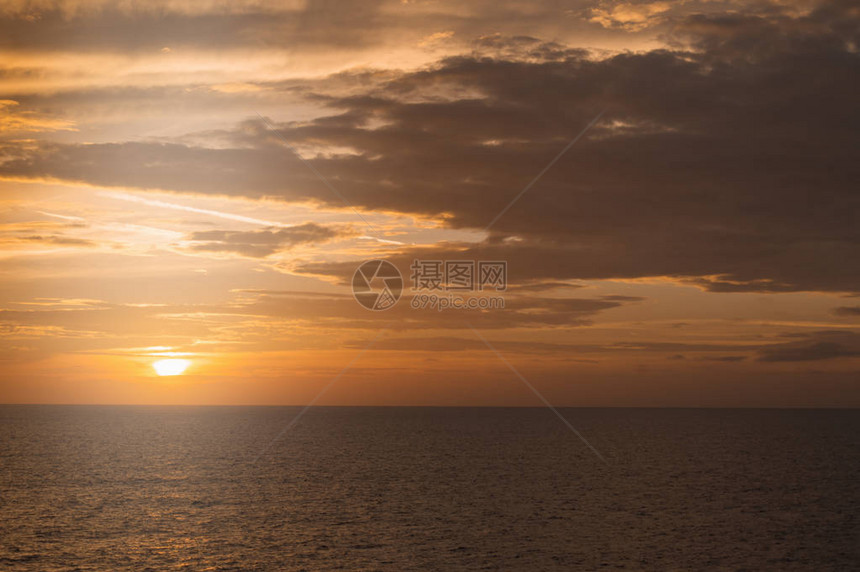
(293, 293)
(262, 243)
(261, 318)
(445, 344)
(619, 298)
(821, 346)
(847, 311)
(520, 311)
(536, 260)
(543, 286)
(121, 29)
(253, 311)
(297, 27)
(728, 160)
(456, 344)
(48, 233)
(59, 240)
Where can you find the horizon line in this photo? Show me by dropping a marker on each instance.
(759, 407)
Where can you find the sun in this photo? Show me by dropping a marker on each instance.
(171, 366)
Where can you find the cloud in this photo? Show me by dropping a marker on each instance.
(58, 240)
(820, 346)
(536, 260)
(44, 233)
(455, 344)
(727, 359)
(714, 164)
(543, 286)
(106, 26)
(436, 37)
(302, 27)
(33, 10)
(629, 16)
(15, 120)
(261, 243)
(847, 311)
(261, 320)
(168, 205)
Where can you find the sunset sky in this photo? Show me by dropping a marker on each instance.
(200, 180)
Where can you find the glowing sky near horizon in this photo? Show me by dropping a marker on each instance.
(694, 248)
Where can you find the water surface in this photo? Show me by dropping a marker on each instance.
(164, 488)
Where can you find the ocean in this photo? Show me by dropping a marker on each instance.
(389, 488)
